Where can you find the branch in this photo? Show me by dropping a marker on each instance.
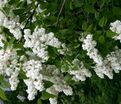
(30, 17)
(60, 12)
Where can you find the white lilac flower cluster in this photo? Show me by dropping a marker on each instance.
(100, 68)
(54, 76)
(39, 40)
(116, 27)
(89, 45)
(112, 62)
(103, 66)
(12, 24)
(36, 73)
(9, 66)
(114, 59)
(59, 85)
(80, 73)
(34, 82)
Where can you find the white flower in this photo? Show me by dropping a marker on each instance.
(102, 67)
(53, 100)
(34, 82)
(116, 27)
(89, 45)
(32, 91)
(38, 42)
(39, 84)
(81, 72)
(13, 80)
(52, 90)
(12, 24)
(9, 66)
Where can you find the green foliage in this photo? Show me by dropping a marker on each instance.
(46, 96)
(2, 95)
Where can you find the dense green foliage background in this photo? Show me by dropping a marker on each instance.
(68, 21)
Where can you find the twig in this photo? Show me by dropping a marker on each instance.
(60, 12)
(30, 17)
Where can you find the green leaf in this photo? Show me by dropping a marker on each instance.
(18, 11)
(89, 29)
(102, 21)
(110, 34)
(39, 101)
(47, 84)
(116, 11)
(84, 26)
(92, 1)
(101, 39)
(22, 75)
(2, 95)
(1, 77)
(46, 95)
(89, 9)
(18, 45)
(97, 15)
(11, 2)
(11, 41)
(78, 3)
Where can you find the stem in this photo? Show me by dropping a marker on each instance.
(30, 17)
(60, 11)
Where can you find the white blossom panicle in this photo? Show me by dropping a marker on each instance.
(81, 72)
(34, 82)
(59, 85)
(62, 87)
(89, 45)
(14, 27)
(112, 62)
(38, 42)
(116, 27)
(9, 66)
(12, 24)
(31, 90)
(13, 80)
(101, 68)
(53, 41)
(115, 60)
(36, 73)
(104, 69)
